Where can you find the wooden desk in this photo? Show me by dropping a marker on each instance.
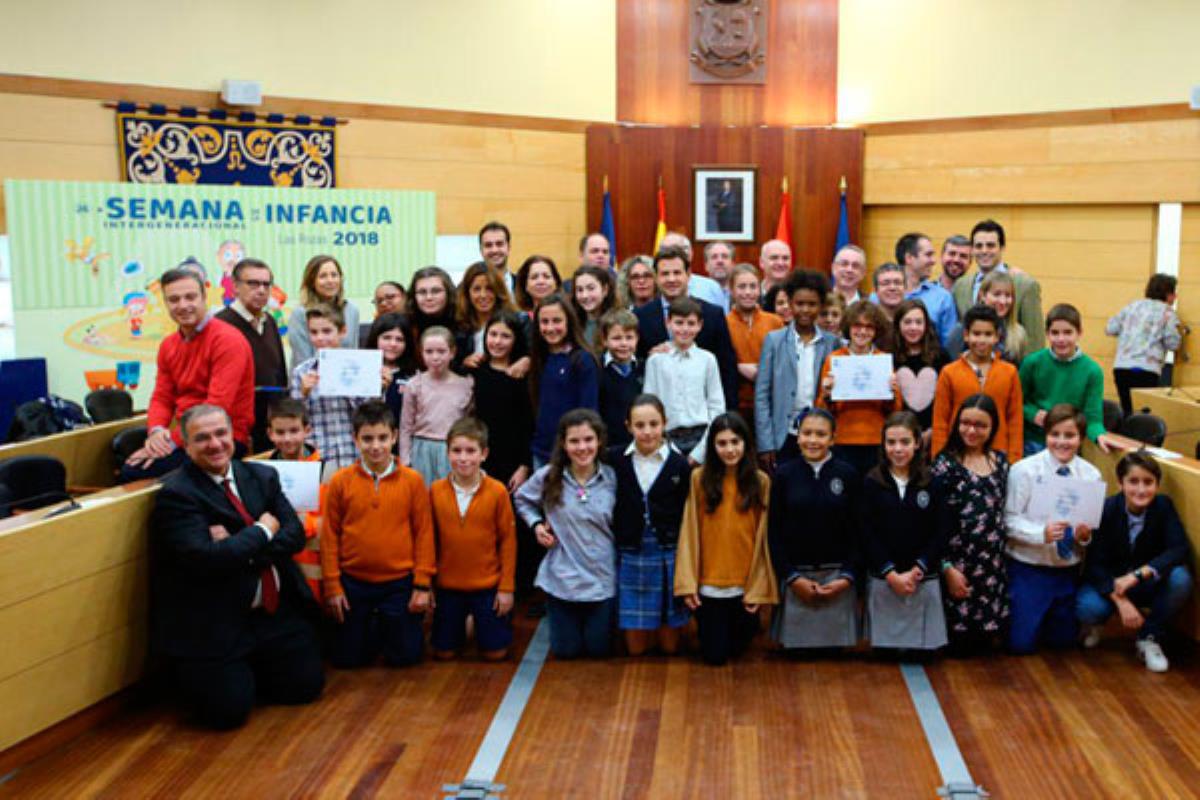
(1180, 409)
(85, 452)
(1181, 481)
(73, 608)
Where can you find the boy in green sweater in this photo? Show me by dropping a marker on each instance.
(1062, 373)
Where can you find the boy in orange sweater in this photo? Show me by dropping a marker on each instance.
(377, 549)
(289, 428)
(979, 369)
(477, 549)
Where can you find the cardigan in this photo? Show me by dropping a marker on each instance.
(568, 381)
(1162, 544)
(663, 504)
(897, 532)
(617, 393)
(958, 381)
(476, 550)
(811, 521)
(712, 548)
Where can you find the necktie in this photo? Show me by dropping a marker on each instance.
(622, 369)
(270, 588)
(1067, 542)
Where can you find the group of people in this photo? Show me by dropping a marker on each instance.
(642, 446)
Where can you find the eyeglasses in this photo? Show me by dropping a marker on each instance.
(975, 426)
(257, 284)
(647, 276)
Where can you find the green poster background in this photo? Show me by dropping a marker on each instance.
(86, 258)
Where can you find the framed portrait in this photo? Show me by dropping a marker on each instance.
(724, 203)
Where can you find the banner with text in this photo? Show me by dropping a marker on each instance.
(86, 258)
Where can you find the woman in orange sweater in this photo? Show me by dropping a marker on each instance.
(722, 569)
(980, 370)
(860, 422)
(477, 549)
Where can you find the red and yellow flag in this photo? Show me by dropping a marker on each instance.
(661, 230)
(783, 231)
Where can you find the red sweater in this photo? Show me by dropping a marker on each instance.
(215, 366)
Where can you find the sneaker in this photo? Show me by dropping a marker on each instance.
(1152, 654)
(1091, 636)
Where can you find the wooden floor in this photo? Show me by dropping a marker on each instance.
(1073, 725)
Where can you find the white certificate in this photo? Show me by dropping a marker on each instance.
(349, 373)
(300, 481)
(861, 377)
(1073, 500)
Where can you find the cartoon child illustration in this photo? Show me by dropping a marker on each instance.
(135, 304)
(229, 254)
(275, 308)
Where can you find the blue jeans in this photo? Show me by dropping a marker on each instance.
(1042, 603)
(378, 620)
(1164, 597)
(580, 628)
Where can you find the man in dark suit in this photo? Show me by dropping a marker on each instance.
(229, 605)
(671, 275)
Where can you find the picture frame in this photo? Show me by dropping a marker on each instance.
(723, 201)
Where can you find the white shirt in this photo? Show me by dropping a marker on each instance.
(648, 467)
(901, 484)
(220, 481)
(689, 384)
(817, 465)
(464, 496)
(1026, 536)
(806, 377)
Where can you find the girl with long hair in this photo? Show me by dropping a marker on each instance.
(564, 374)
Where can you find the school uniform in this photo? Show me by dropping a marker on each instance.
(651, 493)
(722, 557)
(620, 383)
(1124, 542)
(812, 533)
(1041, 578)
(476, 536)
(898, 522)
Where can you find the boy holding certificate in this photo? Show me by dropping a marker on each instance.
(288, 428)
(859, 422)
(1044, 554)
(330, 416)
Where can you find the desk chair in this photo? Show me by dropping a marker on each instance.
(33, 482)
(126, 443)
(1113, 416)
(108, 405)
(1147, 428)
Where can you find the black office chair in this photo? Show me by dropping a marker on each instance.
(5, 502)
(1145, 428)
(127, 442)
(33, 481)
(108, 405)
(1113, 416)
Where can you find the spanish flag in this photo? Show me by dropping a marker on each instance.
(661, 230)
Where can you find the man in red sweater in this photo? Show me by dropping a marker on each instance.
(205, 361)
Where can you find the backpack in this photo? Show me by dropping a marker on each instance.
(45, 416)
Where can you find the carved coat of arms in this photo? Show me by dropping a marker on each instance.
(728, 41)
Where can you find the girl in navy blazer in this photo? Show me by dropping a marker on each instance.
(1138, 560)
(653, 482)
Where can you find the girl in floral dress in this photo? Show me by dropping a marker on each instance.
(972, 477)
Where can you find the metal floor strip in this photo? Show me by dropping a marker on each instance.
(956, 778)
(482, 772)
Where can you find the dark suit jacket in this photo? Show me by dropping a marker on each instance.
(713, 337)
(202, 589)
(1162, 544)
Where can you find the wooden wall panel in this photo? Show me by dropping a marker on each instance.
(813, 159)
(652, 68)
(1096, 257)
(1188, 367)
(1130, 162)
(531, 179)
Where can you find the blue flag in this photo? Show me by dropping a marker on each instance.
(843, 231)
(609, 229)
